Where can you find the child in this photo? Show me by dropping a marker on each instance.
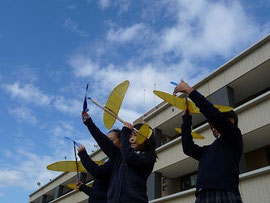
(101, 174)
(132, 163)
(218, 172)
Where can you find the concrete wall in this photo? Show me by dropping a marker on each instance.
(254, 187)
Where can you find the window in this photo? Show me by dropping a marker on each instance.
(165, 180)
(188, 181)
(164, 141)
(165, 188)
(267, 150)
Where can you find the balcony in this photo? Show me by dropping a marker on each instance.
(254, 187)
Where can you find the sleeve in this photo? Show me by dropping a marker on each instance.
(189, 147)
(103, 141)
(229, 132)
(139, 162)
(97, 171)
(87, 190)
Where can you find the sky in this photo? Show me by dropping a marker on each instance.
(50, 50)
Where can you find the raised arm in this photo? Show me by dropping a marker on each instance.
(102, 171)
(103, 141)
(230, 132)
(139, 162)
(189, 147)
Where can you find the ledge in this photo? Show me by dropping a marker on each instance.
(238, 109)
(243, 176)
(48, 183)
(69, 193)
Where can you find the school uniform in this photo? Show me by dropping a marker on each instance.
(218, 171)
(101, 174)
(130, 169)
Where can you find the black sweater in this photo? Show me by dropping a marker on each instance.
(101, 174)
(130, 170)
(218, 162)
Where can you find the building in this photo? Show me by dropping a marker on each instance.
(244, 83)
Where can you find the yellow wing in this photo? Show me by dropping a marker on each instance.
(181, 103)
(223, 108)
(144, 133)
(69, 166)
(194, 135)
(99, 162)
(177, 101)
(74, 187)
(114, 103)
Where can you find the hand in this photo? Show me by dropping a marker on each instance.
(85, 116)
(81, 148)
(128, 125)
(183, 87)
(78, 184)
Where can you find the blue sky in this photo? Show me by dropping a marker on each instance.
(50, 50)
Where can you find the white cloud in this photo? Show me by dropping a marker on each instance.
(265, 29)
(63, 147)
(143, 80)
(68, 106)
(26, 173)
(27, 167)
(23, 114)
(28, 93)
(196, 32)
(123, 5)
(205, 29)
(128, 115)
(200, 30)
(135, 32)
(74, 27)
(104, 3)
(33, 95)
(82, 65)
(9, 176)
(26, 73)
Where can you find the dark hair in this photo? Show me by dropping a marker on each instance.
(231, 114)
(149, 144)
(117, 132)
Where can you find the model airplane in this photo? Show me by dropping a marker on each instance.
(69, 166)
(194, 135)
(182, 103)
(112, 107)
(74, 186)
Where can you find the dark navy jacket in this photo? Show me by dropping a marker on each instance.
(218, 162)
(130, 171)
(101, 174)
